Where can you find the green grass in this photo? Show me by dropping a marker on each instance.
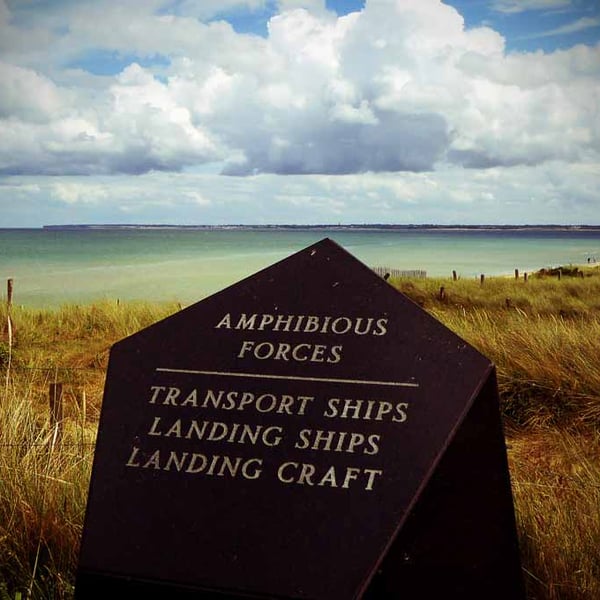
(78, 335)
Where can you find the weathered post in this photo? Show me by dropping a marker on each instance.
(9, 292)
(55, 394)
(442, 294)
(516, 273)
(9, 329)
(525, 277)
(482, 279)
(454, 275)
(81, 401)
(559, 274)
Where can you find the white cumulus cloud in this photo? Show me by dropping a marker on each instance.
(398, 86)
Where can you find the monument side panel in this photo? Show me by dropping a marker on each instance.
(460, 540)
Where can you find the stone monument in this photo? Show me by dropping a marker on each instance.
(308, 432)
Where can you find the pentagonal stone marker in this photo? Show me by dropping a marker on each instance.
(308, 432)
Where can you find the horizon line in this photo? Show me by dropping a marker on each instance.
(316, 225)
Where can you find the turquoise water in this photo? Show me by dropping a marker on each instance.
(53, 267)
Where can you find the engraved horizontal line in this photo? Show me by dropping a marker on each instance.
(294, 377)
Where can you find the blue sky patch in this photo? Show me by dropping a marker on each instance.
(254, 21)
(524, 30)
(110, 62)
(546, 29)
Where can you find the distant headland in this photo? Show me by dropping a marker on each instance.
(339, 227)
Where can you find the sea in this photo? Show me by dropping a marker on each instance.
(54, 266)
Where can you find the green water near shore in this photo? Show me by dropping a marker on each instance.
(54, 267)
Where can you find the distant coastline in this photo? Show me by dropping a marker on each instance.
(319, 227)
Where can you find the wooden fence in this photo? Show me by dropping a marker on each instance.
(63, 390)
(387, 272)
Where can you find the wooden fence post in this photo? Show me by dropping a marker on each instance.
(453, 275)
(525, 277)
(9, 330)
(442, 294)
(516, 273)
(9, 292)
(56, 408)
(81, 401)
(482, 279)
(559, 274)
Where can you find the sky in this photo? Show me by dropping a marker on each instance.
(299, 111)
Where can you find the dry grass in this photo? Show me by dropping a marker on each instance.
(556, 486)
(548, 370)
(43, 490)
(43, 479)
(540, 295)
(76, 335)
(545, 341)
(546, 344)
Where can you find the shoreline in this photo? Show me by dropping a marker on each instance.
(52, 267)
(31, 304)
